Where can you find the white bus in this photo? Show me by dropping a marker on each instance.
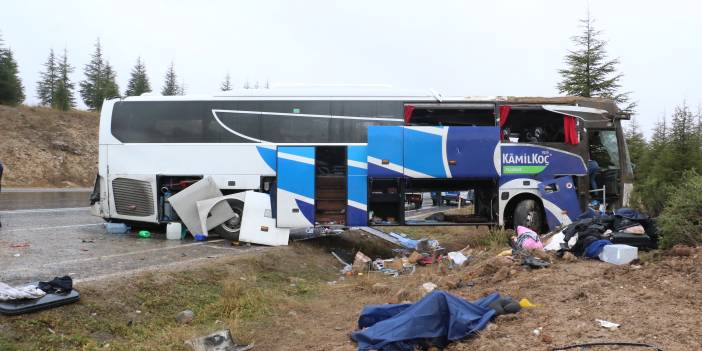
(153, 146)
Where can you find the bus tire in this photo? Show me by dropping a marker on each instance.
(528, 213)
(230, 229)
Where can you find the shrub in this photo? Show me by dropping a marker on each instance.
(681, 219)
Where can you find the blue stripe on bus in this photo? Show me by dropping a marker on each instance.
(424, 153)
(303, 151)
(356, 217)
(357, 153)
(268, 156)
(307, 210)
(298, 177)
(357, 189)
(385, 143)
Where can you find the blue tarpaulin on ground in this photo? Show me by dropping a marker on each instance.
(439, 315)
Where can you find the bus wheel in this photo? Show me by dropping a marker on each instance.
(528, 214)
(230, 229)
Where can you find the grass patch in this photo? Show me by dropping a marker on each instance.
(240, 293)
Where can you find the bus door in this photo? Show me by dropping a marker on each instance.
(560, 192)
(295, 192)
(357, 185)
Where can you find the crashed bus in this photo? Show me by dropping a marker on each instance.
(356, 159)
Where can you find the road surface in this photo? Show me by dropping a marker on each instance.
(41, 243)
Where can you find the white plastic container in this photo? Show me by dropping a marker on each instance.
(173, 231)
(619, 254)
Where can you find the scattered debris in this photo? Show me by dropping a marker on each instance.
(185, 317)
(144, 234)
(361, 262)
(525, 303)
(457, 258)
(20, 245)
(218, 341)
(8, 293)
(505, 305)
(428, 287)
(117, 228)
(533, 262)
(607, 324)
(588, 345)
(618, 254)
(527, 239)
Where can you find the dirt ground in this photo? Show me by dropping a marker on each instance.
(295, 299)
(41, 147)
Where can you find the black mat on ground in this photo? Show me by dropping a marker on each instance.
(13, 308)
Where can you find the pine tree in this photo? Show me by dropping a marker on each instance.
(170, 86)
(111, 89)
(100, 81)
(637, 144)
(226, 84)
(181, 88)
(64, 99)
(11, 89)
(91, 88)
(590, 73)
(46, 86)
(139, 81)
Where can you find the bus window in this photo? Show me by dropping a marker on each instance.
(533, 125)
(281, 125)
(246, 127)
(604, 148)
(162, 122)
(453, 117)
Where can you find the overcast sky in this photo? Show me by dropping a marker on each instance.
(454, 47)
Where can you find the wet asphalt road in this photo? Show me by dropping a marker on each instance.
(38, 243)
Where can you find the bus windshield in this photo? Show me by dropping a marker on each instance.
(604, 148)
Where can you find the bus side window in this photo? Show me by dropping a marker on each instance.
(349, 130)
(281, 124)
(533, 125)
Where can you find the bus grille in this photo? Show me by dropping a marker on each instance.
(133, 197)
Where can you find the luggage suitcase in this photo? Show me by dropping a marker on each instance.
(641, 241)
(17, 307)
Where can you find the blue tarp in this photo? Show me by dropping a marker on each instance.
(438, 315)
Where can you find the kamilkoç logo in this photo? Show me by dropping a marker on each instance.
(525, 162)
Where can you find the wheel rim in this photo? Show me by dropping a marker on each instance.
(233, 224)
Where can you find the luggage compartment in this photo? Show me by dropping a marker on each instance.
(330, 185)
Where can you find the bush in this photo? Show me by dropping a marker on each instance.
(681, 219)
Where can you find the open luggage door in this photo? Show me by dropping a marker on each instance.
(295, 192)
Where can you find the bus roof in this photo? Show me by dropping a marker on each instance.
(386, 94)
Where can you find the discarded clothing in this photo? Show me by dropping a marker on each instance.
(594, 249)
(590, 230)
(438, 316)
(533, 262)
(58, 285)
(9, 293)
(505, 305)
(527, 239)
